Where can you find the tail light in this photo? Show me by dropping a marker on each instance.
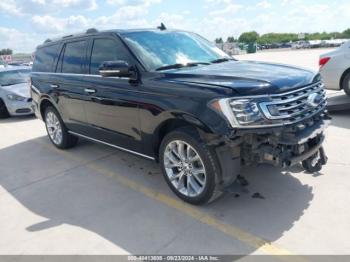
(323, 61)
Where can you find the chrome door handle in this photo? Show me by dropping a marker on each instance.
(90, 91)
(54, 86)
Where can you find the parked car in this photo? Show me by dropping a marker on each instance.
(15, 97)
(335, 68)
(174, 97)
(301, 45)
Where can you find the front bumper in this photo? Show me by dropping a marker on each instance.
(19, 108)
(284, 147)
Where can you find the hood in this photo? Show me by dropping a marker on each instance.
(246, 77)
(18, 89)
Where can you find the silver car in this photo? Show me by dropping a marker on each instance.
(335, 68)
(14, 92)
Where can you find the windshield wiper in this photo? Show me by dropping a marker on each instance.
(178, 65)
(221, 60)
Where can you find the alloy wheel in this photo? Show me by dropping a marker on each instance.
(54, 128)
(184, 168)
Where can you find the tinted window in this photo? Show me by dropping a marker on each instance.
(44, 58)
(73, 57)
(105, 49)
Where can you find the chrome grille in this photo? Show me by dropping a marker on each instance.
(296, 105)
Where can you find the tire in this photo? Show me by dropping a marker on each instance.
(188, 182)
(346, 84)
(57, 131)
(3, 110)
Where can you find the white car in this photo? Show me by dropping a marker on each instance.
(15, 97)
(335, 68)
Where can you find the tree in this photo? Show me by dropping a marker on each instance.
(6, 51)
(346, 33)
(277, 38)
(248, 37)
(219, 40)
(230, 39)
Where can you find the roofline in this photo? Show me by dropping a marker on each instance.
(93, 31)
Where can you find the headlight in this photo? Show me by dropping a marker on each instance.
(240, 112)
(14, 97)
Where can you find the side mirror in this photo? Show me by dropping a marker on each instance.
(115, 68)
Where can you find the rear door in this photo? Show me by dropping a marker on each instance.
(112, 110)
(70, 84)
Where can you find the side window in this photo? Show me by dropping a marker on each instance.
(74, 57)
(44, 58)
(105, 49)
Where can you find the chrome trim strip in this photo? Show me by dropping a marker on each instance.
(71, 74)
(108, 144)
(35, 89)
(109, 71)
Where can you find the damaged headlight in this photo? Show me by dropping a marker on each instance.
(240, 112)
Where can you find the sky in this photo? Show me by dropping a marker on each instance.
(24, 24)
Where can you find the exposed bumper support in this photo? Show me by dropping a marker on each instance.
(312, 151)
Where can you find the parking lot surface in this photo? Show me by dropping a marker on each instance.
(94, 199)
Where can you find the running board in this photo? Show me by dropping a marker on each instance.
(111, 145)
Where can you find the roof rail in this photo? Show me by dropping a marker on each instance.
(91, 31)
(47, 41)
(66, 36)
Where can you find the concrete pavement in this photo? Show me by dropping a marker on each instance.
(93, 199)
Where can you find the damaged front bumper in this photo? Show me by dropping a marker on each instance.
(288, 146)
(281, 147)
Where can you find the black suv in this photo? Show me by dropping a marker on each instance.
(174, 97)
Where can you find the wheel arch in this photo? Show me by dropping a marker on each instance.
(168, 125)
(347, 71)
(44, 103)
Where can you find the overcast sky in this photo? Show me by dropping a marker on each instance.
(27, 23)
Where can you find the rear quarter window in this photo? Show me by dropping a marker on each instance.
(45, 57)
(74, 57)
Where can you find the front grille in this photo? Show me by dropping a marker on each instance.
(294, 106)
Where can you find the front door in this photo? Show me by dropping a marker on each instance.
(112, 109)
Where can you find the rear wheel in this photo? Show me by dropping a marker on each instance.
(57, 131)
(3, 110)
(346, 84)
(189, 167)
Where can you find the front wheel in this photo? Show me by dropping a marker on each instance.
(189, 167)
(57, 131)
(346, 84)
(3, 110)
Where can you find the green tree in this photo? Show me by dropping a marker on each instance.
(6, 51)
(248, 37)
(230, 39)
(219, 40)
(277, 38)
(346, 33)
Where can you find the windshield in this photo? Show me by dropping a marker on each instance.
(163, 48)
(14, 77)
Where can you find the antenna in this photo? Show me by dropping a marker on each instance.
(161, 27)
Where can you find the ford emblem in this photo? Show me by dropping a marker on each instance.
(313, 100)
